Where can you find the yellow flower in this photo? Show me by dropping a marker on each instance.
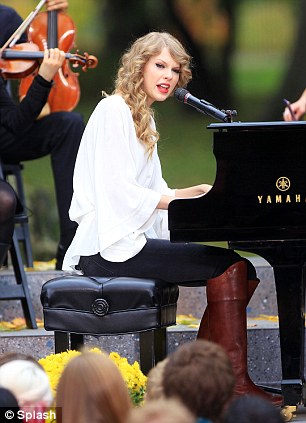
(135, 380)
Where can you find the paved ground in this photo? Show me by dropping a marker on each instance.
(300, 415)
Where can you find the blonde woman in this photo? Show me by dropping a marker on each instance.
(28, 381)
(92, 390)
(120, 201)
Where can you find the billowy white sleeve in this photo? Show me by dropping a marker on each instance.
(113, 179)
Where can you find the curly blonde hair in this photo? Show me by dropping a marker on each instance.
(129, 79)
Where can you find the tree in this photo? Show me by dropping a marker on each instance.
(128, 20)
(294, 80)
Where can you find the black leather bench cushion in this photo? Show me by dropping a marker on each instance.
(101, 306)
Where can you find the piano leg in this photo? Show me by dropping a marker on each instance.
(290, 291)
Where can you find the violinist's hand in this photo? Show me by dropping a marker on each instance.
(57, 5)
(53, 60)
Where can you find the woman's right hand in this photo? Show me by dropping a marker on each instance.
(52, 61)
(193, 191)
(190, 192)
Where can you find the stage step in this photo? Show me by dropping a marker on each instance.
(264, 354)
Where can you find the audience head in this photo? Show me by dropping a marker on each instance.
(91, 389)
(252, 408)
(155, 389)
(161, 411)
(27, 381)
(203, 370)
(10, 356)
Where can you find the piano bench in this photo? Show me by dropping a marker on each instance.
(74, 306)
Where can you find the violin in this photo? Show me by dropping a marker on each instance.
(22, 59)
(56, 29)
(16, 69)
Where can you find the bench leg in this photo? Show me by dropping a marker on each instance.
(152, 348)
(61, 342)
(64, 341)
(77, 341)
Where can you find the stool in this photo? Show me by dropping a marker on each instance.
(21, 290)
(22, 230)
(74, 306)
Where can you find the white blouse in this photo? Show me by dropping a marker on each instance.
(116, 188)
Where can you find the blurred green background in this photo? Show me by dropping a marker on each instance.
(248, 55)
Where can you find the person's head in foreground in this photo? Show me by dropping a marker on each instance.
(254, 409)
(29, 383)
(203, 370)
(91, 389)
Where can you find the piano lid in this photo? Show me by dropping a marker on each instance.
(259, 190)
(258, 125)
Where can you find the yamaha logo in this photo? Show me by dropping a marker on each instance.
(283, 183)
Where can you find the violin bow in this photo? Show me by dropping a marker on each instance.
(20, 30)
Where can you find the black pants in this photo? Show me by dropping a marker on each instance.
(59, 135)
(185, 264)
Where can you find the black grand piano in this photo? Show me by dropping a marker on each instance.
(258, 204)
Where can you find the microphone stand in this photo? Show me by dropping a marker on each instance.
(230, 114)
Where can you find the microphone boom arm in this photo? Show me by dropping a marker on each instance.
(204, 106)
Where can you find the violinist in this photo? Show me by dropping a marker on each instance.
(24, 137)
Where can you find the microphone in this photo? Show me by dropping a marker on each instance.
(201, 105)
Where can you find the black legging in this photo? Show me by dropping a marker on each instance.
(8, 203)
(185, 264)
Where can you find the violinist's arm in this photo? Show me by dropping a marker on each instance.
(18, 118)
(57, 5)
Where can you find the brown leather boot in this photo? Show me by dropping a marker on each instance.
(227, 299)
(203, 332)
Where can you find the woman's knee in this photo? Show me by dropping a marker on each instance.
(251, 271)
